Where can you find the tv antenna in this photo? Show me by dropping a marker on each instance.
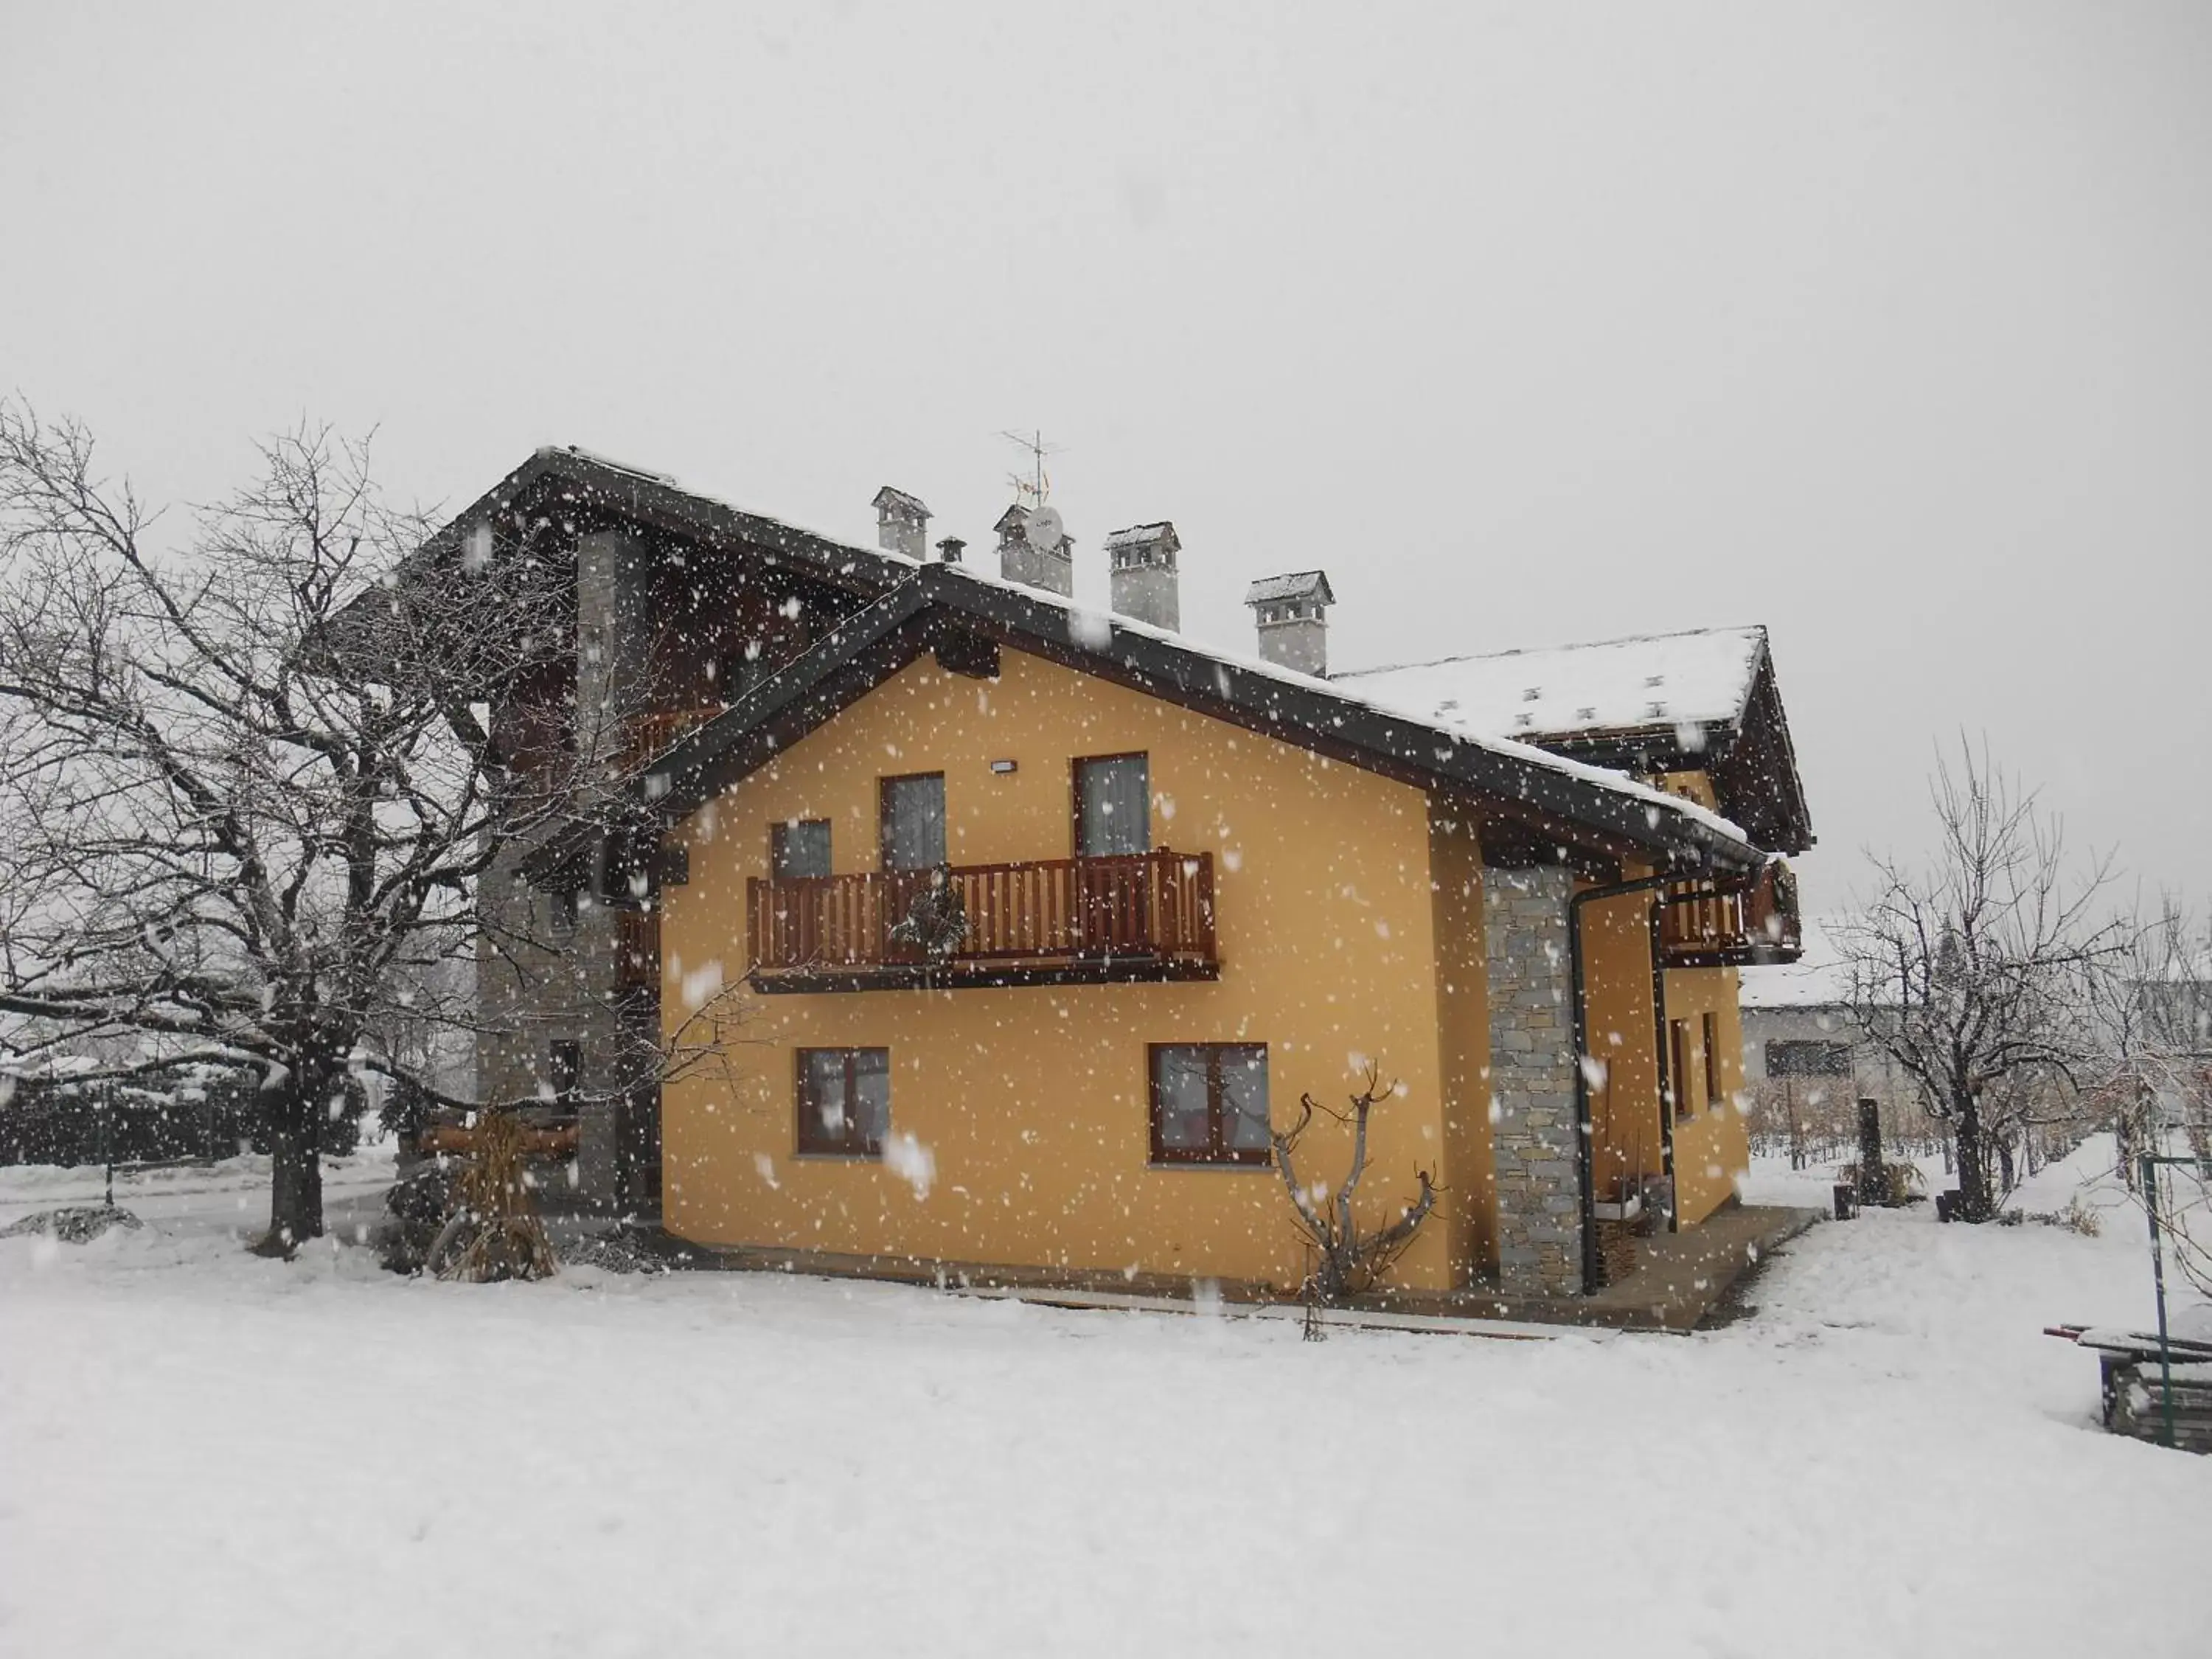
(1031, 491)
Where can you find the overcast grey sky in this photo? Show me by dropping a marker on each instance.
(1890, 327)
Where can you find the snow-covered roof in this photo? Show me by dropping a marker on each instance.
(1821, 978)
(1699, 679)
(1298, 585)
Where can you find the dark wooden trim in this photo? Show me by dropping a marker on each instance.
(972, 656)
(986, 975)
(852, 1147)
(1217, 1152)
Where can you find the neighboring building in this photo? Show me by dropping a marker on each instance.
(1191, 887)
(1805, 1059)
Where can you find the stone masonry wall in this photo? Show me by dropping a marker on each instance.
(557, 981)
(1534, 1136)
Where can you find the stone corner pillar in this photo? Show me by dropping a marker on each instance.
(1535, 1143)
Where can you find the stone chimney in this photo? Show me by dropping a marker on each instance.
(1035, 563)
(949, 550)
(902, 523)
(1140, 565)
(1293, 614)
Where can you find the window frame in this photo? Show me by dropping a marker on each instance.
(783, 828)
(883, 795)
(1679, 1072)
(1708, 1033)
(1075, 770)
(1217, 1152)
(851, 1145)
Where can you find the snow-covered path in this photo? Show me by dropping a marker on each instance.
(201, 1453)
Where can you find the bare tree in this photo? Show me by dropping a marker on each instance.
(1348, 1262)
(1973, 974)
(2152, 1081)
(247, 784)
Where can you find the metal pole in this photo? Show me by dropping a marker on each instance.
(108, 1136)
(2150, 1162)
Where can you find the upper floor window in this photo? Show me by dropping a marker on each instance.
(799, 848)
(913, 821)
(1209, 1102)
(1113, 807)
(844, 1101)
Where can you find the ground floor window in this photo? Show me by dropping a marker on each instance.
(1682, 1083)
(844, 1101)
(1209, 1102)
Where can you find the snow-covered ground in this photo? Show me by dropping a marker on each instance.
(205, 1453)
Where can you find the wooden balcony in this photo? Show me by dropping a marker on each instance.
(1147, 917)
(650, 735)
(1703, 925)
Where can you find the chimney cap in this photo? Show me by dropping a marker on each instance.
(950, 549)
(1298, 585)
(1145, 535)
(890, 500)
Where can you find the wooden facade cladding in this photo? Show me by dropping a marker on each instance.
(1704, 924)
(1136, 917)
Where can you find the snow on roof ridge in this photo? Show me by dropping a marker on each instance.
(609, 461)
(1759, 628)
(576, 451)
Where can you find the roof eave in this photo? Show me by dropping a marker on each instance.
(1312, 717)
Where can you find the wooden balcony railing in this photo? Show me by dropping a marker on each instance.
(1702, 925)
(1145, 916)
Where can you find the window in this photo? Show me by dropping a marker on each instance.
(1678, 1063)
(1209, 1102)
(1809, 1059)
(913, 822)
(1711, 1034)
(564, 1070)
(561, 906)
(1113, 807)
(844, 1101)
(799, 849)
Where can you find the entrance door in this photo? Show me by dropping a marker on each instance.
(912, 847)
(1113, 807)
(913, 822)
(1113, 833)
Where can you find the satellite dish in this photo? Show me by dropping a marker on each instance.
(1045, 529)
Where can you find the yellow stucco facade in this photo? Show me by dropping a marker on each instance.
(1348, 915)
(1033, 1102)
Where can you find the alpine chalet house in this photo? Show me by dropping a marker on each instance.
(1020, 926)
